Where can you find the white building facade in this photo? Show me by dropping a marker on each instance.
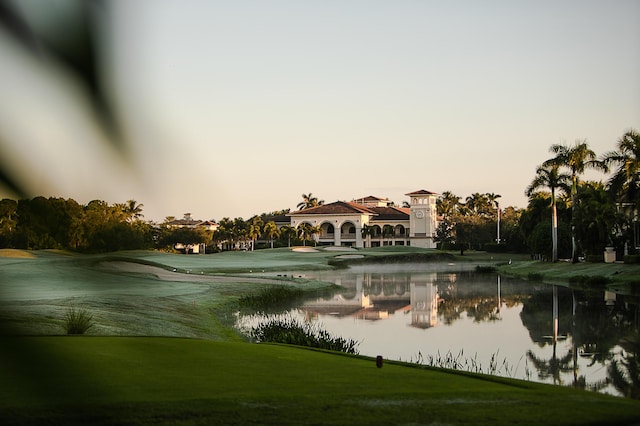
(372, 221)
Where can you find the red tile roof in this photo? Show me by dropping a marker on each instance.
(421, 192)
(370, 198)
(338, 207)
(391, 213)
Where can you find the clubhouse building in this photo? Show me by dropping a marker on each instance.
(342, 223)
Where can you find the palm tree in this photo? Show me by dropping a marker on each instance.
(224, 234)
(625, 181)
(288, 231)
(132, 211)
(480, 204)
(254, 230)
(367, 231)
(307, 231)
(576, 158)
(271, 231)
(550, 177)
(447, 204)
(308, 201)
(388, 231)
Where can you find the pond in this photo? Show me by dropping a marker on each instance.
(451, 317)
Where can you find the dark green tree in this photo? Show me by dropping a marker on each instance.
(576, 158)
(550, 177)
(8, 221)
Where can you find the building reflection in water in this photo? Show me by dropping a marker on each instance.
(375, 296)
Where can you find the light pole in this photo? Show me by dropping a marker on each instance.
(498, 207)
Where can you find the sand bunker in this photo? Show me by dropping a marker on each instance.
(17, 254)
(304, 250)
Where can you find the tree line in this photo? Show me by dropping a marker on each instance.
(565, 217)
(57, 223)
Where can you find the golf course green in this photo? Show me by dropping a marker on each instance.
(163, 351)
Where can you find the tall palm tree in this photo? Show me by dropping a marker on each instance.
(576, 158)
(625, 181)
(367, 232)
(308, 201)
(550, 177)
(479, 204)
(287, 232)
(307, 231)
(271, 231)
(132, 211)
(447, 204)
(388, 231)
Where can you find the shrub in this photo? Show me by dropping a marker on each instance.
(290, 331)
(77, 320)
(272, 299)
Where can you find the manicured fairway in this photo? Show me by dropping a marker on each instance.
(106, 380)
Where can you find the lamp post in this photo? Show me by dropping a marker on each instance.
(498, 235)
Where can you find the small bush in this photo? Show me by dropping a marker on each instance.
(290, 331)
(272, 299)
(595, 258)
(77, 320)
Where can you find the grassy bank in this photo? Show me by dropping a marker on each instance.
(618, 276)
(107, 380)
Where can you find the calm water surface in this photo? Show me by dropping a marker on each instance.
(438, 313)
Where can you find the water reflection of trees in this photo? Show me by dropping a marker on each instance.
(468, 293)
(596, 326)
(625, 372)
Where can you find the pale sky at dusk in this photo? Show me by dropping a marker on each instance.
(234, 108)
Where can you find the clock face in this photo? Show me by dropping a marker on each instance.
(419, 213)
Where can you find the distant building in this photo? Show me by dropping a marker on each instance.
(189, 222)
(342, 223)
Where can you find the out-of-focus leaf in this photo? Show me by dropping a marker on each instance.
(11, 184)
(15, 26)
(75, 45)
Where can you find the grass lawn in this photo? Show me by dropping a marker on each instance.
(621, 276)
(106, 380)
(197, 370)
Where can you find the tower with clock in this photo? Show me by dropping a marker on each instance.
(422, 218)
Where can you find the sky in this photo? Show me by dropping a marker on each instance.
(232, 109)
